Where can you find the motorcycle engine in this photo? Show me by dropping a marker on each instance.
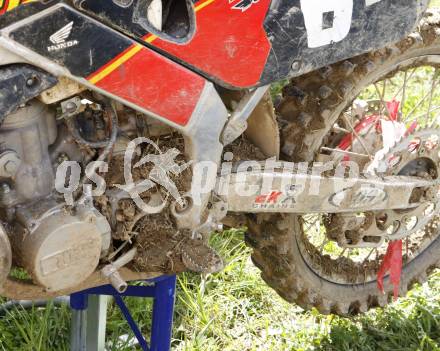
(58, 246)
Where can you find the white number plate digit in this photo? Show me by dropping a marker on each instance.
(321, 34)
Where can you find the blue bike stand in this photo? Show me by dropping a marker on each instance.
(162, 290)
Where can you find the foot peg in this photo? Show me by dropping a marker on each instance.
(199, 257)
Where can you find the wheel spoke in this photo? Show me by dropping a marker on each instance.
(377, 253)
(345, 152)
(421, 102)
(381, 95)
(341, 130)
(403, 87)
(357, 135)
(368, 256)
(405, 80)
(342, 253)
(384, 90)
(318, 223)
(407, 247)
(313, 221)
(321, 247)
(309, 227)
(433, 109)
(431, 95)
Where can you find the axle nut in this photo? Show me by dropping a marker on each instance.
(9, 163)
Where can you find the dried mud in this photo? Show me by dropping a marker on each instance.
(155, 236)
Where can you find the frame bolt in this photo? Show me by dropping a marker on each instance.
(6, 189)
(296, 65)
(11, 167)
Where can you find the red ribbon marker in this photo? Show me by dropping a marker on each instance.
(393, 109)
(392, 262)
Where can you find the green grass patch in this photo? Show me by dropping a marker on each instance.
(235, 310)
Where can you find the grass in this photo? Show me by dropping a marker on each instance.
(235, 310)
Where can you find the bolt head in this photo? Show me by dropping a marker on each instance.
(5, 188)
(11, 167)
(62, 157)
(71, 107)
(228, 156)
(296, 65)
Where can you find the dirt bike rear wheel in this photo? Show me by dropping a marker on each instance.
(309, 108)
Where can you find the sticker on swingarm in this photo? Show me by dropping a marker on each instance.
(363, 197)
(278, 199)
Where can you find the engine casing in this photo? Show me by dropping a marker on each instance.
(60, 248)
(24, 155)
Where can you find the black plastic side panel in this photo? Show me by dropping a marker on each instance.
(117, 16)
(372, 27)
(19, 84)
(128, 18)
(90, 45)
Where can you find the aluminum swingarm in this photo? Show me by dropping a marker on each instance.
(305, 192)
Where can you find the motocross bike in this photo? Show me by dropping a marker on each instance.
(82, 80)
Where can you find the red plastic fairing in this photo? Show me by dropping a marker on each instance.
(153, 83)
(229, 44)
